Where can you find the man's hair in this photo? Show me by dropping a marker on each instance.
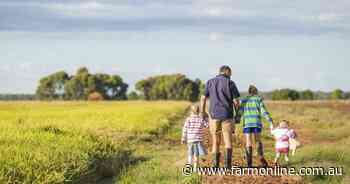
(252, 90)
(224, 69)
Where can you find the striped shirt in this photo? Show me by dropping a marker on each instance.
(193, 129)
(282, 137)
(251, 110)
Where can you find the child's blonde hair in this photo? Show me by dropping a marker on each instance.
(284, 124)
(195, 109)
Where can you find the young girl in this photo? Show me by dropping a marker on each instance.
(283, 135)
(192, 134)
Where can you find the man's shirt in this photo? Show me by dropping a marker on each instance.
(221, 92)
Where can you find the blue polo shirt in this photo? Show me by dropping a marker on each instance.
(221, 91)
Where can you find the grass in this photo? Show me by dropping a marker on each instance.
(163, 160)
(324, 131)
(138, 142)
(69, 142)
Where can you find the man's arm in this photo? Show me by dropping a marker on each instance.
(204, 99)
(203, 104)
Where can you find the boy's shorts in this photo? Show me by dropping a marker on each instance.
(252, 130)
(196, 149)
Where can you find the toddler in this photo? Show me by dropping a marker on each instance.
(283, 135)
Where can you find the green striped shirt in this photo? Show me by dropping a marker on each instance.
(251, 110)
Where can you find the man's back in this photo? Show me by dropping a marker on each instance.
(221, 92)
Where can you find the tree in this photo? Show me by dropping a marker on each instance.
(168, 87)
(347, 95)
(201, 85)
(307, 95)
(81, 85)
(74, 89)
(337, 94)
(133, 96)
(52, 86)
(285, 94)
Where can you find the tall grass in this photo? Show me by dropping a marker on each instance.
(67, 142)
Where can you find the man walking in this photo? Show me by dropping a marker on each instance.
(223, 97)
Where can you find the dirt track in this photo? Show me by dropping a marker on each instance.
(239, 161)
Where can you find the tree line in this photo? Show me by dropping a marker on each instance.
(84, 85)
(81, 86)
(291, 94)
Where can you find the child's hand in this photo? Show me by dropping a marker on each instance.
(204, 115)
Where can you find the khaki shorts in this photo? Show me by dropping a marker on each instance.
(224, 126)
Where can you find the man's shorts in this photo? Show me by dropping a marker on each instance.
(196, 149)
(252, 130)
(218, 126)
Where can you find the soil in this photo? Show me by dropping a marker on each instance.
(240, 162)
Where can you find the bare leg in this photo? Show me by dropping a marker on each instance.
(195, 163)
(227, 129)
(286, 158)
(277, 157)
(216, 137)
(248, 140)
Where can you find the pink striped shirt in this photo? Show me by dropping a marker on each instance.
(193, 129)
(282, 137)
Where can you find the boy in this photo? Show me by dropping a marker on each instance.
(192, 134)
(251, 110)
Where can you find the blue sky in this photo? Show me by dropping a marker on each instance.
(271, 43)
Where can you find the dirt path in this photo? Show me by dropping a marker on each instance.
(238, 160)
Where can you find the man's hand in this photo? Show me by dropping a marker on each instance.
(237, 119)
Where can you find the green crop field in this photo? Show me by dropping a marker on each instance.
(67, 142)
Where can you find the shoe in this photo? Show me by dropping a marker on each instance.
(263, 162)
(228, 158)
(216, 160)
(249, 156)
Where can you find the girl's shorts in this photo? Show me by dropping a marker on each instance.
(282, 150)
(252, 130)
(196, 149)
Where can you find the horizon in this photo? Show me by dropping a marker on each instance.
(298, 45)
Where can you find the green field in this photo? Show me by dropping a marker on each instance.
(69, 142)
(138, 142)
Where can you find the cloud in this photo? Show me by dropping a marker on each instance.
(313, 17)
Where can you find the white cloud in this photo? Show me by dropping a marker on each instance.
(328, 17)
(214, 36)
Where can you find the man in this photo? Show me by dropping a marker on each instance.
(223, 96)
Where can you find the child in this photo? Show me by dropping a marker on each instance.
(251, 110)
(192, 134)
(283, 135)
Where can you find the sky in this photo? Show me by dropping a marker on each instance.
(270, 43)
